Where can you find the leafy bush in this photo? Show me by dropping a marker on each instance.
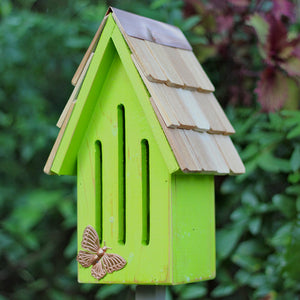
(258, 244)
(258, 214)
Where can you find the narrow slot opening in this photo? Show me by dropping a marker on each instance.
(122, 174)
(98, 189)
(145, 193)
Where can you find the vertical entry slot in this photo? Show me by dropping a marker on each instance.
(145, 193)
(98, 190)
(122, 174)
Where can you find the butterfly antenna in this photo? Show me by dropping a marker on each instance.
(105, 245)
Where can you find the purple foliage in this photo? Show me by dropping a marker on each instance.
(253, 41)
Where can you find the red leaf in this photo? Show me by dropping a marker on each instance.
(283, 8)
(272, 89)
(276, 40)
(224, 22)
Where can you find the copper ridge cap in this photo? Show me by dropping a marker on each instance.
(150, 30)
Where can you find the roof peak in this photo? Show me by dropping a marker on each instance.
(150, 30)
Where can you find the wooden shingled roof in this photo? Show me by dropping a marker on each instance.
(193, 121)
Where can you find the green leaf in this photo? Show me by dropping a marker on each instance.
(249, 263)
(224, 290)
(298, 204)
(71, 249)
(251, 247)
(5, 8)
(109, 290)
(285, 204)
(227, 239)
(293, 190)
(270, 163)
(249, 198)
(250, 151)
(193, 291)
(255, 225)
(34, 207)
(258, 280)
(294, 177)
(242, 276)
(282, 236)
(189, 23)
(292, 255)
(295, 159)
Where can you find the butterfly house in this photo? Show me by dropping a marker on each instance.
(145, 136)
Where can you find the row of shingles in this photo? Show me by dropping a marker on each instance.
(189, 109)
(173, 66)
(179, 107)
(195, 151)
(162, 94)
(201, 151)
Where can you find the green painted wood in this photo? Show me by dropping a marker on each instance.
(193, 227)
(147, 264)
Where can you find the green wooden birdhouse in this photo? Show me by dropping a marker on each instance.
(145, 136)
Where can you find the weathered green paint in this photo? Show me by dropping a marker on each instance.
(178, 246)
(146, 263)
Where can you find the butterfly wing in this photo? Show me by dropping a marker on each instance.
(90, 240)
(113, 262)
(85, 258)
(98, 270)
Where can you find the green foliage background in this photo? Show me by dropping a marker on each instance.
(258, 214)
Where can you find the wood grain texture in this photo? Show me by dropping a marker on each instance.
(193, 109)
(161, 56)
(209, 153)
(75, 92)
(221, 115)
(196, 69)
(168, 114)
(48, 165)
(179, 107)
(184, 70)
(147, 62)
(204, 101)
(176, 143)
(90, 49)
(230, 154)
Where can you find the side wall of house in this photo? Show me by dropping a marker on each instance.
(124, 182)
(193, 227)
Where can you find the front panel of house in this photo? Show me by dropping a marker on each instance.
(123, 184)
